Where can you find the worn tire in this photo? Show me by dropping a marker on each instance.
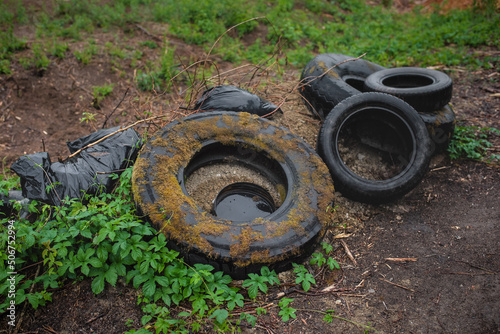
(323, 92)
(441, 125)
(424, 89)
(398, 124)
(237, 248)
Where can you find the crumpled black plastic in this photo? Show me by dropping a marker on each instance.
(87, 173)
(231, 98)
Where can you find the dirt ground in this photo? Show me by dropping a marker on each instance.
(447, 228)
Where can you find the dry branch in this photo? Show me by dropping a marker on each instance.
(348, 252)
(401, 259)
(112, 134)
(398, 285)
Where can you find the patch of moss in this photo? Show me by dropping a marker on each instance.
(243, 240)
(325, 68)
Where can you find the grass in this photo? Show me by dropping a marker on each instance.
(302, 29)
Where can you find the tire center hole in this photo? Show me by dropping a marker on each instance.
(225, 185)
(407, 81)
(375, 145)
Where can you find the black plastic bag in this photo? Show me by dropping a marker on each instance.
(7, 205)
(86, 173)
(231, 98)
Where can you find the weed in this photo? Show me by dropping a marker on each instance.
(85, 55)
(58, 49)
(149, 44)
(5, 66)
(10, 43)
(115, 51)
(99, 93)
(303, 277)
(471, 142)
(88, 118)
(286, 311)
(41, 61)
(158, 77)
(259, 282)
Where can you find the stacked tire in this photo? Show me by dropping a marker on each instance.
(404, 111)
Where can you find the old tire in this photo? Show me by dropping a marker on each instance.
(424, 89)
(441, 125)
(323, 92)
(385, 122)
(237, 248)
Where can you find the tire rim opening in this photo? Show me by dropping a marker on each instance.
(219, 176)
(375, 144)
(407, 81)
(243, 201)
(356, 83)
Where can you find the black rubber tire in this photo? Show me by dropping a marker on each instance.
(323, 92)
(424, 89)
(389, 113)
(441, 125)
(288, 235)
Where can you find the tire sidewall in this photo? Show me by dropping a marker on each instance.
(425, 98)
(323, 91)
(356, 187)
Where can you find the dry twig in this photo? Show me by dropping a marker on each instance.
(348, 252)
(114, 133)
(398, 285)
(401, 259)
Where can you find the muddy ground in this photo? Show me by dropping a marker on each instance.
(448, 227)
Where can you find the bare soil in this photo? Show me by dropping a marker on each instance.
(447, 228)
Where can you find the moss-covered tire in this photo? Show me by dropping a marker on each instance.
(237, 248)
(345, 77)
(424, 89)
(386, 122)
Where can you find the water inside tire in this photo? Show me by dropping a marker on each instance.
(243, 201)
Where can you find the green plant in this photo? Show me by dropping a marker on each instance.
(88, 117)
(149, 44)
(41, 61)
(303, 277)
(472, 142)
(38, 61)
(286, 311)
(85, 55)
(257, 282)
(115, 51)
(99, 93)
(158, 76)
(58, 49)
(5, 66)
(320, 260)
